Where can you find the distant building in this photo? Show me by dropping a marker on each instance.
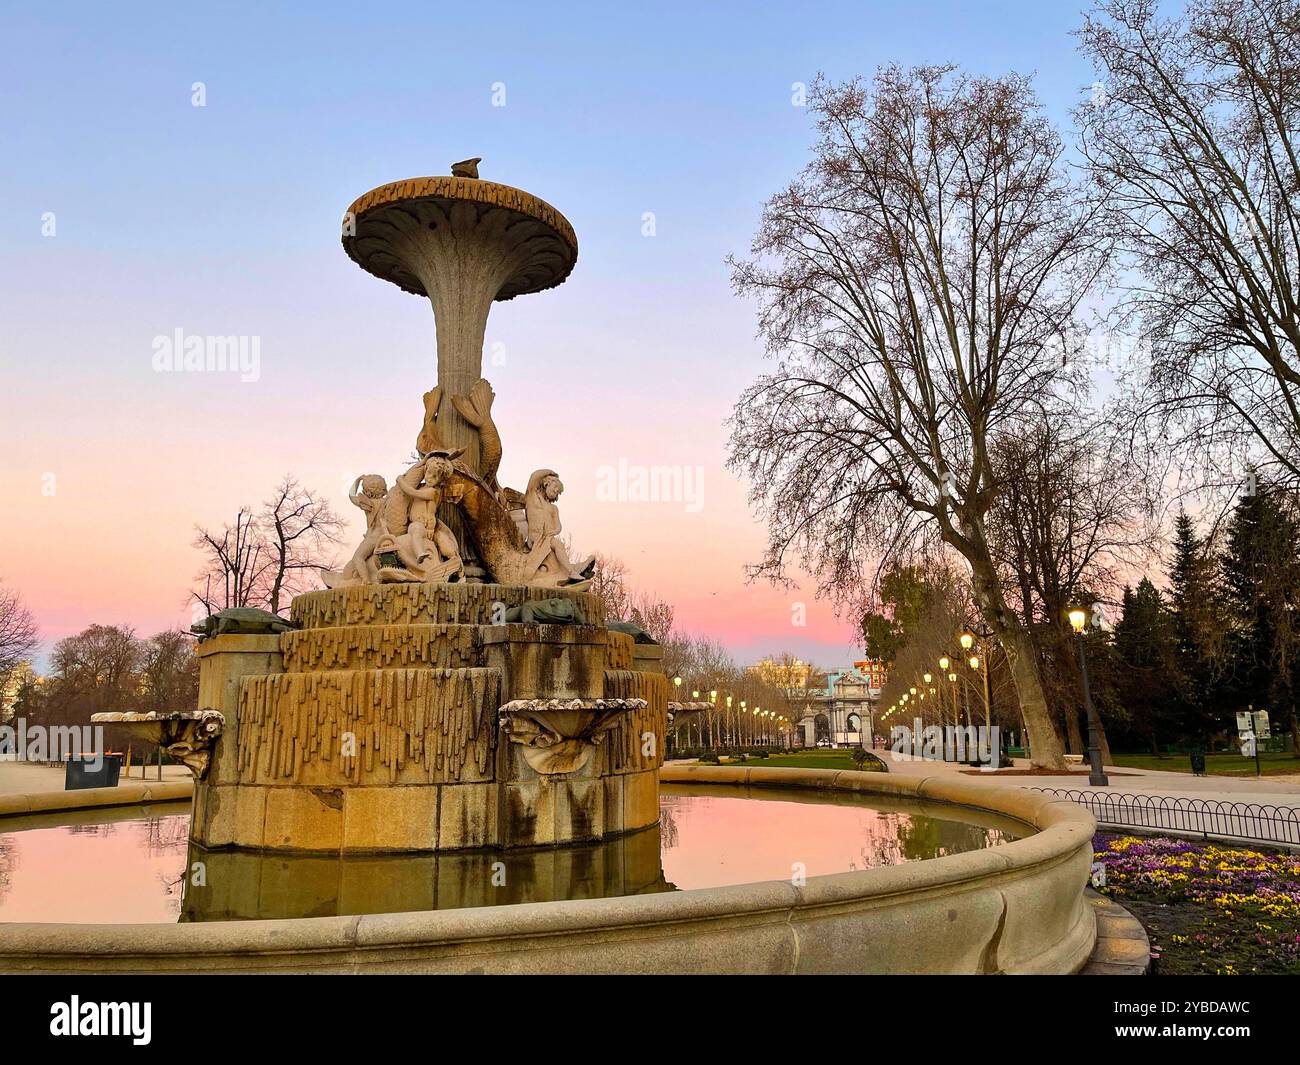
(843, 711)
(788, 673)
(11, 685)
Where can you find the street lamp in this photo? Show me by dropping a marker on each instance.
(677, 683)
(1096, 776)
(967, 639)
(956, 714)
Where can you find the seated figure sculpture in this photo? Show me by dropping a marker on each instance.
(423, 543)
(404, 539)
(547, 557)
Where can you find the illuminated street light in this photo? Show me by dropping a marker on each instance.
(1096, 774)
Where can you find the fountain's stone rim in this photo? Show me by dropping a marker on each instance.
(451, 190)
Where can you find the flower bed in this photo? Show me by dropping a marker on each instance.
(1208, 908)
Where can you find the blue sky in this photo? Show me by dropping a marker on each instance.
(224, 219)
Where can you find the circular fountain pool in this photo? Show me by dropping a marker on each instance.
(847, 873)
(136, 865)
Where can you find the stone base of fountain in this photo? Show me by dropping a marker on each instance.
(378, 726)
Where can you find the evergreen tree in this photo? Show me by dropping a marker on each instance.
(1197, 616)
(1261, 569)
(1147, 682)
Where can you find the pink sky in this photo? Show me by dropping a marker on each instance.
(110, 464)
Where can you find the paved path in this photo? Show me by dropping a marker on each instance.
(25, 778)
(1282, 827)
(1270, 790)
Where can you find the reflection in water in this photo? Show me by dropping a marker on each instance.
(137, 866)
(119, 865)
(8, 865)
(241, 885)
(713, 836)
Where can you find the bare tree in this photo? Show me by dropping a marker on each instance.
(94, 671)
(265, 557)
(610, 583)
(653, 614)
(300, 529)
(234, 564)
(1072, 520)
(18, 633)
(169, 672)
(918, 282)
(1072, 514)
(1191, 138)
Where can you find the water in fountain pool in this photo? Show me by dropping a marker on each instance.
(137, 865)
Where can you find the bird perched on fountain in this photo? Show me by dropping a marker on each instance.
(466, 167)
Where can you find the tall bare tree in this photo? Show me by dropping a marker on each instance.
(1191, 136)
(267, 556)
(18, 633)
(234, 564)
(610, 583)
(918, 283)
(301, 530)
(91, 672)
(169, 672)
(1072, 520)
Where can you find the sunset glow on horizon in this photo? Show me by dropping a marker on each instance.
(134, 214)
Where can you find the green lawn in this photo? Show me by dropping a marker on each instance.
(805, 760)
(1219, 765)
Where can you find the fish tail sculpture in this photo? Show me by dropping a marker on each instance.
(476, 409)
(430, 439)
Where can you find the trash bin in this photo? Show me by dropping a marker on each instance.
(1198, 763)
(92, 771)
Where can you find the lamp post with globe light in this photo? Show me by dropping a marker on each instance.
(1096, 775)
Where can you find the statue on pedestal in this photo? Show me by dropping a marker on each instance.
(547, 557)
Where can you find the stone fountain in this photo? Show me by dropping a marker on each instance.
(454, 685)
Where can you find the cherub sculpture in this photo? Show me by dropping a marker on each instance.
(368, 492)
(548, 561)
(404, 539)
(423, 543)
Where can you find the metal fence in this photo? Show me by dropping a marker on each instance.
(1202, 817)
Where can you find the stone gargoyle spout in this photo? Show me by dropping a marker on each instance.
(559, 735)
(186, 735)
